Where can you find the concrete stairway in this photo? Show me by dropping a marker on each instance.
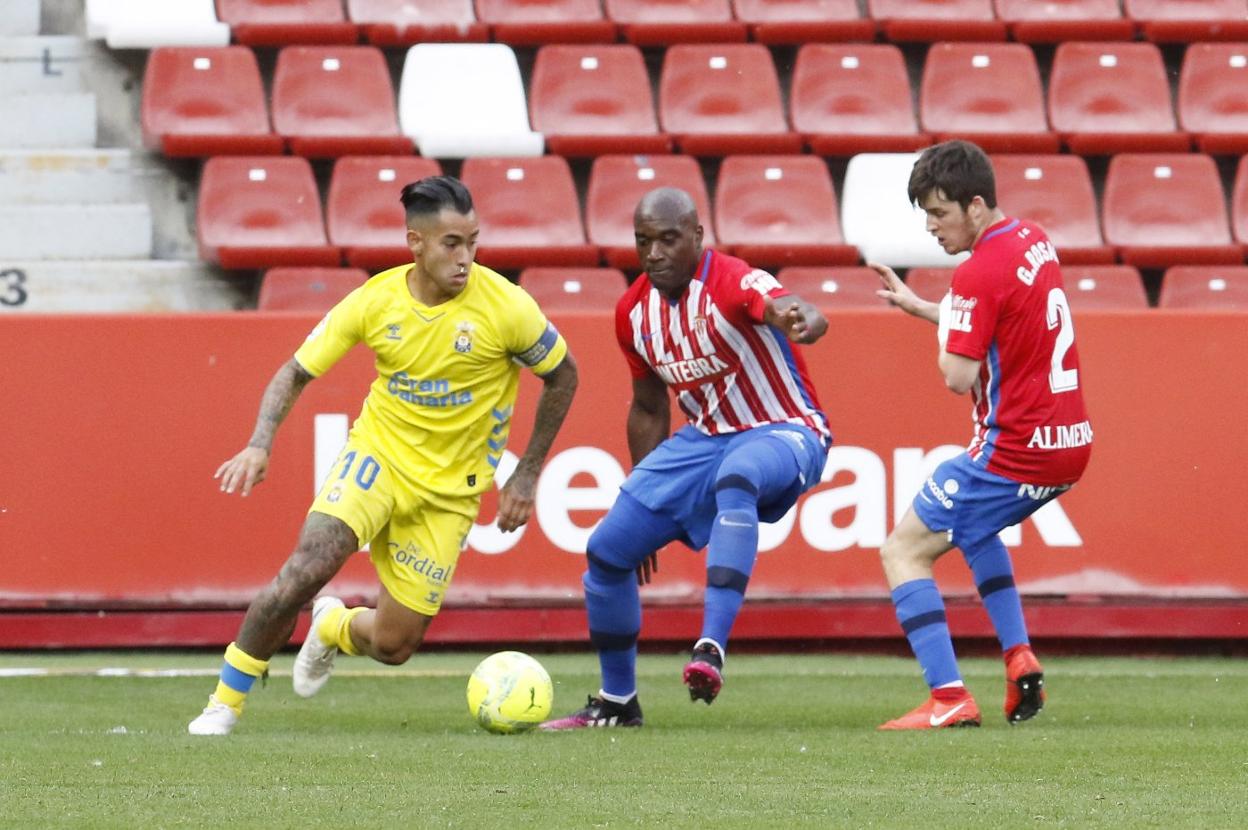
(86, 228)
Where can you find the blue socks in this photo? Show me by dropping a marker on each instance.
(994, 578)
(921, 612)
(614, 610)
(729, 562)
(628, 534)
(754, 472)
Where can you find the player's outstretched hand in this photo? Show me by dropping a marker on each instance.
(901, 295)
(246, 470)
(515, 500)
(648, 567)
(800, 321)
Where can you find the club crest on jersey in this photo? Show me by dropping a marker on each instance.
(463, 337)
(699, 325)
(392, 331)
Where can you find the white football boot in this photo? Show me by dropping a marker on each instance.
(216, 719)
(315, 660)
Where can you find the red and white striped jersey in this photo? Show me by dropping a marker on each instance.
(730, 370)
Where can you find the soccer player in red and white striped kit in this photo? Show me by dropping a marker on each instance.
(719, 334)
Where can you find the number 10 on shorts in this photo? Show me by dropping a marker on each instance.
(365, 473)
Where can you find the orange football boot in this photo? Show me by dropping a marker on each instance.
(1024, 684)
(938, 714)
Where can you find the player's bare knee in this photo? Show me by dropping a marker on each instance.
(296, 585)
(395, 651)
(896, 552)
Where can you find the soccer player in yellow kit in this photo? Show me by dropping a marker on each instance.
(449, 337)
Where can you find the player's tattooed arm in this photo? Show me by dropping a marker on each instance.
(649, 417)
(800, 321)
(515, 500)
(248, 467)
(279, 396)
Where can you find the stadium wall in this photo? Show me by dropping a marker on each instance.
(113, 532)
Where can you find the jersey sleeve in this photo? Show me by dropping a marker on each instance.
(750, 292)
(334, 335)
(637, 365)
(533, 340)
(975, 308)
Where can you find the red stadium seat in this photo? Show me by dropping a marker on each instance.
(1054, 21)
(256, 212)
(929, 283)
(362, 211)
(1167, 209)
(563, 290)
(803, 21)
(1186, 21)
(1205, 288)
(1104, 287)
(989, 93)
(307, 289)
(529, 212)
(591, 100)
(932, 20)
(201, 101)
(277, 22)
(1213, 96)
(1112, 98)
(780, 210)
(723, 99)
(617, 183)
(657, 22)
(854, 98)
(536, 22)
(1055, 192)
(336, 100)
(834, 288)
(404, 22)
(1239, 204)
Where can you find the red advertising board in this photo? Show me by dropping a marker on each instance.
(114, 426)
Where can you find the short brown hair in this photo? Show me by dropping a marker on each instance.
(958, 169)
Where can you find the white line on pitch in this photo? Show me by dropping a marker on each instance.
(147, 673)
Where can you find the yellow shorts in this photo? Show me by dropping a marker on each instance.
(416, 536)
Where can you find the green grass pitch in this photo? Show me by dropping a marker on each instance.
(1124, 742)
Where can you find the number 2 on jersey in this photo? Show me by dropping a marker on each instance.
(1058, 317)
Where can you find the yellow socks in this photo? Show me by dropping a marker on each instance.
(335, 629)
(238, 673)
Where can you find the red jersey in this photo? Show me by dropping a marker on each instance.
(1010, 311)
(729, 369)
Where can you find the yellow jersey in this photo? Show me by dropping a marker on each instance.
(440, 409)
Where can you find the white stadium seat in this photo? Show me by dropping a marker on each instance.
(146, 24)
(877, 216)
(484, 113)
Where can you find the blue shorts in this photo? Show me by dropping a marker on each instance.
(677, 478)
(964, 500)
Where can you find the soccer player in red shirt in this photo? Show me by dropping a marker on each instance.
(1007, 337)
(718, 333)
